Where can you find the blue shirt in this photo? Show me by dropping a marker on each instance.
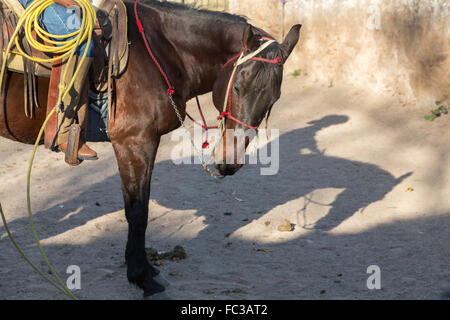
(60, 21)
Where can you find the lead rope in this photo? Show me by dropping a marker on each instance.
(197, 151)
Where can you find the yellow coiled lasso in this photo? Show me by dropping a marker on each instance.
(60, 50)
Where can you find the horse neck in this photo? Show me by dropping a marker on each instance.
(203, 43)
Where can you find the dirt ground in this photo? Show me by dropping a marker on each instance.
(363, 177)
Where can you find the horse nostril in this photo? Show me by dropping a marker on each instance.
(227, 169)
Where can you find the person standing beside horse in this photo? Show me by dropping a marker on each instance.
(60, 19)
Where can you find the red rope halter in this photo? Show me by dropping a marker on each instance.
(227, 114)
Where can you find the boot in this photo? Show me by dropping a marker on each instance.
(84, 152)
(75, 106)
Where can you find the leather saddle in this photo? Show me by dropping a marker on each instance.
(110, 61)
(110, 44)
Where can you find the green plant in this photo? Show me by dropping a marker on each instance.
(297, 72)
(440, 110)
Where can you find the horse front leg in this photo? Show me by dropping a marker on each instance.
(135, 159)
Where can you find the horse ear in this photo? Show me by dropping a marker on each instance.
(249, 40)
(290, 41)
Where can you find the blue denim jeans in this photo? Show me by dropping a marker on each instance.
(58, 20)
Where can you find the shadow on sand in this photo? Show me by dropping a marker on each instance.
(300, 174)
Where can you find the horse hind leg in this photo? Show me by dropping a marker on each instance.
(135, 161)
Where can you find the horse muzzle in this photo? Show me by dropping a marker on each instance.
(227, 169)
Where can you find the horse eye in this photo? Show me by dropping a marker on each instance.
(236, 89)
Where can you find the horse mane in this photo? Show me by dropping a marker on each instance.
(263, 70)
(195, 12)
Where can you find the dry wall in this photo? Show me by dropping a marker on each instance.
(399, 46)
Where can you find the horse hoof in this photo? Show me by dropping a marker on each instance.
(155, 288)
(161, 280)
(445, 295)
(157, 292)
(157, 296)
(154, 271)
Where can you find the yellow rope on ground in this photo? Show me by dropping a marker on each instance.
(30, 22)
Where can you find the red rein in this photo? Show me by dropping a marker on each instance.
(171, 88)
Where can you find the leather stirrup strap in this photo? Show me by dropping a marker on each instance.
(52, 125)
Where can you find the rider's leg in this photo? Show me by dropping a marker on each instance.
(75, 106)
(59, 20)
(83, 110)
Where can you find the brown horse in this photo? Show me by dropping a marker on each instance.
(192, 46)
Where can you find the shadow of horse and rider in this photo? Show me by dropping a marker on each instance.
(299, 175)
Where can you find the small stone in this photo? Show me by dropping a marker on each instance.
(287, 226)
(107, 272)
(208, 291)
(154, 256)
(238, 290)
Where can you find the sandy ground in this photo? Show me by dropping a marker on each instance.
(364, 178)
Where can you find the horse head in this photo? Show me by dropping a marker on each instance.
(245, 91)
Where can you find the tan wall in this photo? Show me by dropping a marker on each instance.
(401, 46)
